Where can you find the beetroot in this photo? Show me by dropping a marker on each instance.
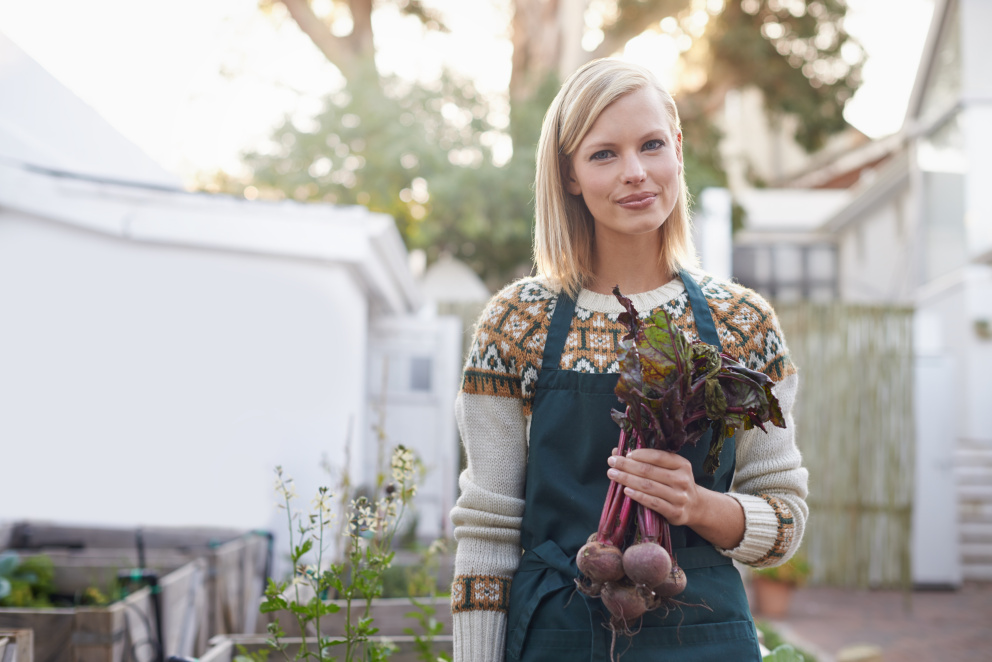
(674, 584)
(647, 563)
(600, 562)
(625, 603)
(674, 391)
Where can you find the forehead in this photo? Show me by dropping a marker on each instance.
(642, 110)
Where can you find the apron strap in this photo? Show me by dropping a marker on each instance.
(561, 319)
(701, 311)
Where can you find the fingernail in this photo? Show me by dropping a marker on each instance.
(613, 473)
(612, 461)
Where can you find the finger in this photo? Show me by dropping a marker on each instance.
(647, 465)
(673, 513)
(661, 483)
(658, 458)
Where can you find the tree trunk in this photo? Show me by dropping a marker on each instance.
(353, 54)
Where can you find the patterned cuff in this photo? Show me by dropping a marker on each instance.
(480, 593)
(769, 530)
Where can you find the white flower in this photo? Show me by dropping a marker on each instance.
(322, 504)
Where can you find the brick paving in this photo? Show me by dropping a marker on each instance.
(917, 626)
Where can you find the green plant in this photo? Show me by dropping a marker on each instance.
(786, 653)
(370, 525)
(793, 572)
(780, 650)
(27, 581)
(422, 580)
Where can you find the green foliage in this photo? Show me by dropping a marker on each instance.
(424, 156)
(369, 525)
(676, 390)
(26, 581)
(435, 157)
(800, 57)
(780, 650)
(423, 581)
(244, 655)
(793, 572)
(786, 653)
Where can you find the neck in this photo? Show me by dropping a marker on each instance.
(633, 264)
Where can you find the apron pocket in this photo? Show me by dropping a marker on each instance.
(713, 642)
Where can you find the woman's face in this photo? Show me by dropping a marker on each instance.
(627, 167)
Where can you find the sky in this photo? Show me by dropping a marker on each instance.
(195, 82)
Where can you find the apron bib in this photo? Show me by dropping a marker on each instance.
(572, 435)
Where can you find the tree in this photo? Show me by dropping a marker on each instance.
(425, 154)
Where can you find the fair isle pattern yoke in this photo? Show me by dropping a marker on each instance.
(505, 360)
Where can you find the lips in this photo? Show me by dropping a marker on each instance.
(637, 200)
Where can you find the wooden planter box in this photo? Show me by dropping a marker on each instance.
(16, 645)
(217, 592)
(123, 630)
(225, 647)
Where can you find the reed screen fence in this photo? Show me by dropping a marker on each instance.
(854, 426)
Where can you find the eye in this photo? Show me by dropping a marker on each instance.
(601, 155)
(653, 145)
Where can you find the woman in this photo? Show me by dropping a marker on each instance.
(534, 409)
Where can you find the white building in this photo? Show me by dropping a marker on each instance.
(162, 351)
(929, 206)
(916, 230)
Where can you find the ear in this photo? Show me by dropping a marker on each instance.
(571, 183)
(678, 149)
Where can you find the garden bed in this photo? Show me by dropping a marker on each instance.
(225, 647)
(218, 592)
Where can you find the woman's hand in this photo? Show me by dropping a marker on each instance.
(663, 482)
(659, 480)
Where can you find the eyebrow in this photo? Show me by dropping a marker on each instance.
(595, 147)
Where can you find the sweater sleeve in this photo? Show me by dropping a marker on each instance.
(771, 485)
(492, 420)
(770, 482)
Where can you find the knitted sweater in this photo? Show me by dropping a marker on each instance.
(493, 410)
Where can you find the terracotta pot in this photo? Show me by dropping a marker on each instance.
(771, 598)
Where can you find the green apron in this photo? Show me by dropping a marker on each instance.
(572, 435)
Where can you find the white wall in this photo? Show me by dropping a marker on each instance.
(416, 364)
(145, 384)
(711, 232)
(877, 256)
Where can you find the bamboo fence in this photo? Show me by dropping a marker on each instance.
(854, 426)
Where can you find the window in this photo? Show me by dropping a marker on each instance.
(420, 373)
(788, 271)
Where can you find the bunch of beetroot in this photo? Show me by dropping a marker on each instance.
(674, 392)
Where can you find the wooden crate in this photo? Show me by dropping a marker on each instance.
(16, 645)
(124, 630)
(238, 563)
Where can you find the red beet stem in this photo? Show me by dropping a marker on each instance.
(610, 526)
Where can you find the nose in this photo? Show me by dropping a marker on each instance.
(633, 170)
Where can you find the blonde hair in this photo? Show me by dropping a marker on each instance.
(565, 230)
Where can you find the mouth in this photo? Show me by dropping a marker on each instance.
(637, 200)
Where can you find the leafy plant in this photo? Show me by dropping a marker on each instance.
(27, 581)
(780, 650)
(369, 528)
(422, 581)
(785, 653)
(793, 572)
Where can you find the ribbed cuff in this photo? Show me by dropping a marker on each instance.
(762, 531)
(479, 636)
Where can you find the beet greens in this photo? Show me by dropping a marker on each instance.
(674, 391)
